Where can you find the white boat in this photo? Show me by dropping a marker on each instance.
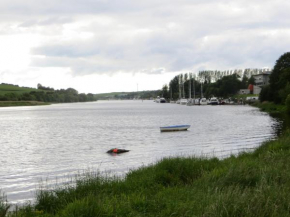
(203, 101)
(183, 101)
(213, 101)
(174, 128)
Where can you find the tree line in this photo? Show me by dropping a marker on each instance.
(47, 94)
(184, 84)
(278, 89)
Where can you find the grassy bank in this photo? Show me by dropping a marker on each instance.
(251, 184)
(270, 107)
(244, 96)
(21, 103)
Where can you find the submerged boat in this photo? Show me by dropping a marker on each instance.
(117, 151)
(174, 128)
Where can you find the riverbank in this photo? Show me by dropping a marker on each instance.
(270, 107)
(21, 103)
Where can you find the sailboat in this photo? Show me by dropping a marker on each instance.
(203, 100)
(171, 100)
(189, 101)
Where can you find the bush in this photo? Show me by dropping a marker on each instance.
(265, 94)
(288, 103)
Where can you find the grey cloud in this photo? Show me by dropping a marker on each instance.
(46, 21)
(156, 36)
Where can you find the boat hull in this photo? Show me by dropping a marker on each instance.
(174, 128)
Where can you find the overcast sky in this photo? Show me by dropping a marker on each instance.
(102, 46)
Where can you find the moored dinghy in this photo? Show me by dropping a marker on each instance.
(174, 128)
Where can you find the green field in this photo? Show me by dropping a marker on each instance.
(6, 88)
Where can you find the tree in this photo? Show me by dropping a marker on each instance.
(245, 82)
(280, 76)
(251, 81)
(283, 93)
(174, 87)
(288, 103)
(265, 93)
(165, 92)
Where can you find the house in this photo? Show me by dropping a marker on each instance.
(262, 79)
(244, 91)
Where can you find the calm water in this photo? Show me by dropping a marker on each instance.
(57, 141)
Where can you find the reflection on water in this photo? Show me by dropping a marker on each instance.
(39, 143)
(283, 122)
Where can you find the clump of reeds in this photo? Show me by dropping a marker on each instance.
(4, 206)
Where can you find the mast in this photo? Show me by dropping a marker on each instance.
(201, 94)
(183, 89)
(189, 85)
(179, 81)
(193, 85)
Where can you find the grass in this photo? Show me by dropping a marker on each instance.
(6, 88)
(4, 206)
(251, 184)
(270, 107)
(244, 96)
(21, 103)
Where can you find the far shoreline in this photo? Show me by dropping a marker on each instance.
(22, 103)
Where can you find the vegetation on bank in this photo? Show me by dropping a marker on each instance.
(270, 107)
(9, 92)
(278, 91)
(251, 184)
(21, 103)
(129, 95)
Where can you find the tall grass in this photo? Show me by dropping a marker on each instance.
(251, 184)
(4, 206)
(270, 107)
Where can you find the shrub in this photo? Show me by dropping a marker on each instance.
(287, 102)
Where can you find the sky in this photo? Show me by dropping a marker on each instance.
(99, 46)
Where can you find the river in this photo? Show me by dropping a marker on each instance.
(56, 142)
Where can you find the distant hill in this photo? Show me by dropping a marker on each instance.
(11, 92)
(128, 95)
(11, 88)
